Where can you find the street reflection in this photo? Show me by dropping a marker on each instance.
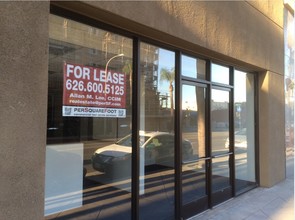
(244, 131)
(219, 121)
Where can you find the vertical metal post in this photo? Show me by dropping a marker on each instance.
(177, 137)
(135, 131)
(231, 130)
(256, 115)
(209, 136)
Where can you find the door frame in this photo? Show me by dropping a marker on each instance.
(203, 203)
(213, 199)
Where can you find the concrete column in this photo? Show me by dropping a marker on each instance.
(271, 129)
(23, 108)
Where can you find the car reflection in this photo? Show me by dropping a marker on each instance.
(156, 148)
(240, 139)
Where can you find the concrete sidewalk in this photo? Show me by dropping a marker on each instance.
(275, 203)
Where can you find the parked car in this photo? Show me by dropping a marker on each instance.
(240, 139)
(157, 147)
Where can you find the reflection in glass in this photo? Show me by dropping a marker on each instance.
(193, 131)
(193, 121)
(192, 67)
(82, 156)
(244, 131)
(289, 77)
(220, 74)
(157, 122)
(220, 173)
(193, 181)
(220, 121)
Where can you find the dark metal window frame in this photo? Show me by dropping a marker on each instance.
(179, 80)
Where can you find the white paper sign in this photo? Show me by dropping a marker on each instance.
(63, 177)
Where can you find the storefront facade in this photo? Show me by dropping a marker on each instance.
(134, 116)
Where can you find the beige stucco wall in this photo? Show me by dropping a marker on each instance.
(238, 29)
(272, 9)
(272, 154)
(23, 108)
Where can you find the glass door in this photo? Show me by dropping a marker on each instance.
(206, 163)
(195, 162)
(221, 153)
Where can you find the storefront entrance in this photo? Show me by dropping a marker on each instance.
(206, 174)
(196, 168)
(138, 130)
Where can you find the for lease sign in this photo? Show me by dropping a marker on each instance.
(93, 92)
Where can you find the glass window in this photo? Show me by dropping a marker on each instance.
(192, 67)
(220, 74)
(244, 136)
(289, 24)
(88, 173)
(157, 121)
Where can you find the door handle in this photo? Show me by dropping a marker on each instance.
(222, 155)
(197, 160)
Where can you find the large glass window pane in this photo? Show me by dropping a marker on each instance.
(289, 24)
(220, 74)
(157, 132)
(220, 121)
(88, 171)
(244, 130)
(193, 67)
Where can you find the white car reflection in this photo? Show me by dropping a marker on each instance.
(158, 149)
(240, 139)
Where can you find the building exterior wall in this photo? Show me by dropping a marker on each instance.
(253, 39)
(23, 88)
(196, 25)
(271, 129)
